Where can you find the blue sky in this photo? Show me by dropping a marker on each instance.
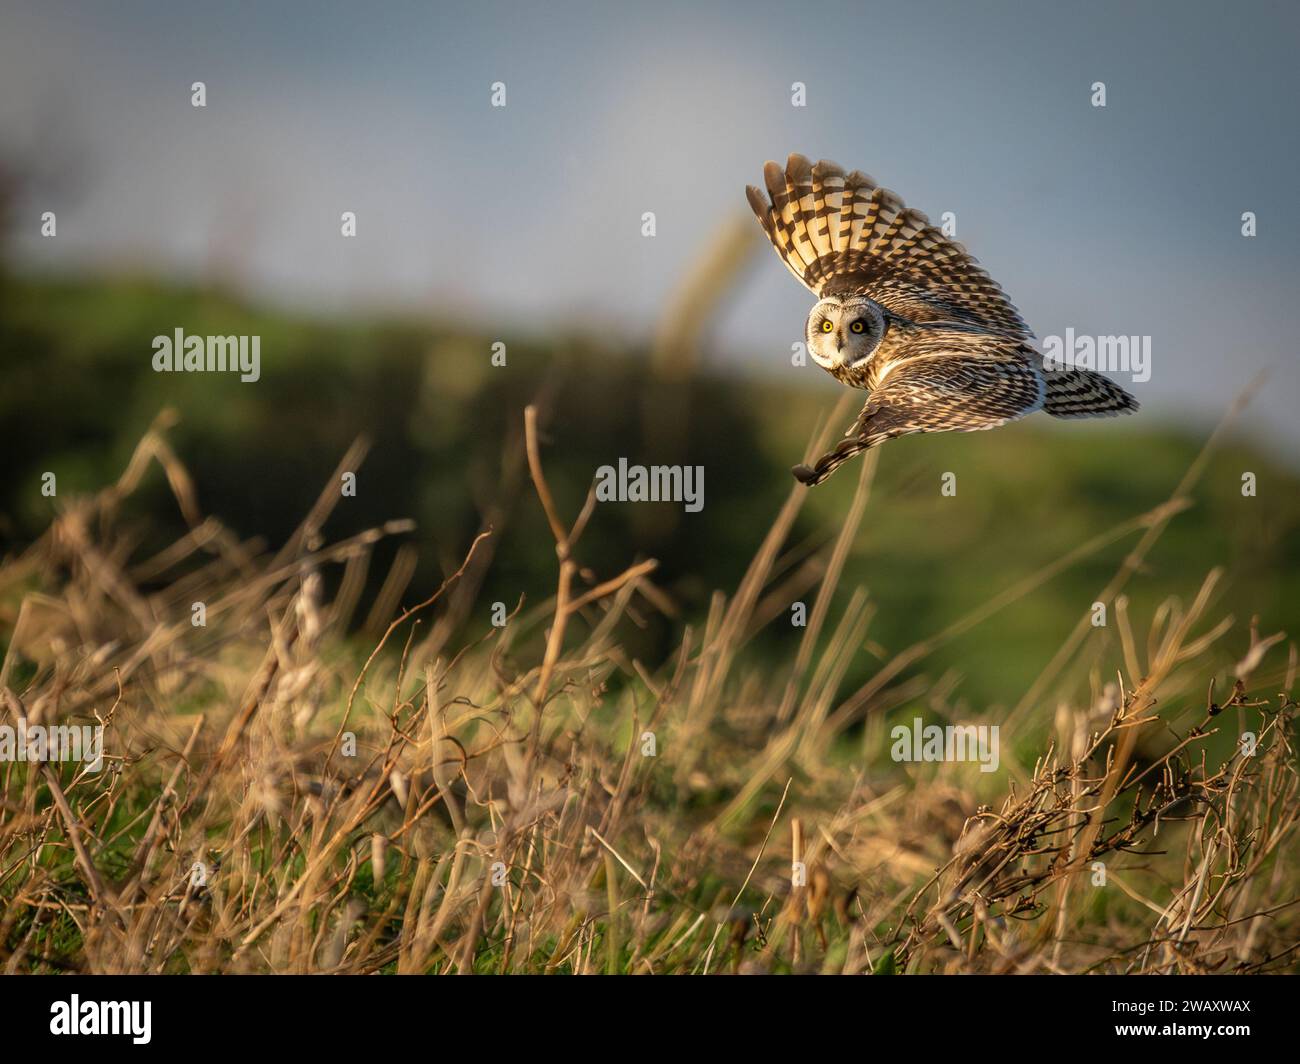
(1123, 219)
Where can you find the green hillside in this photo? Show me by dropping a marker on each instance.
(446, 426)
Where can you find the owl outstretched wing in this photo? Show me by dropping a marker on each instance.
(939, 393)
(842, 234)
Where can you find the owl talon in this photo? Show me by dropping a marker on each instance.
(805, 474)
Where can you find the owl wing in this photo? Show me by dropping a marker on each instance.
(939, 393)
(842, 234)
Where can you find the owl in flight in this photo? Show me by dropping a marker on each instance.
(906, 314)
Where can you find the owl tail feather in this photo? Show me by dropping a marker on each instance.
(1083, 393)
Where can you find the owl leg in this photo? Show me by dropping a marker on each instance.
(832, 460)
(857, 439)
(938, 393)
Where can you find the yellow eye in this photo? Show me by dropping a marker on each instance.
(827, 326)
(858, 327)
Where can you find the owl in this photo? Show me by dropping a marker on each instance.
(909, 316)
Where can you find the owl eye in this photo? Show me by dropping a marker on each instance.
(827, 326)
(857, 327)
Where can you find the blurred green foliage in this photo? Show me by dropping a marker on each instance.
(77, 391)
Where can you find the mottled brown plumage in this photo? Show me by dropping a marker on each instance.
(907, 314)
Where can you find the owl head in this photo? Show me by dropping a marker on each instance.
(842, 332)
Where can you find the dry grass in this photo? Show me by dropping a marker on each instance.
(534, 800)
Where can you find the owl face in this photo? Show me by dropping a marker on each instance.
(842, 333)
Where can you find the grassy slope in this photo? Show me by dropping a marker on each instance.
(77, 396)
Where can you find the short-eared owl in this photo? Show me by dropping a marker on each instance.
(908, 315)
